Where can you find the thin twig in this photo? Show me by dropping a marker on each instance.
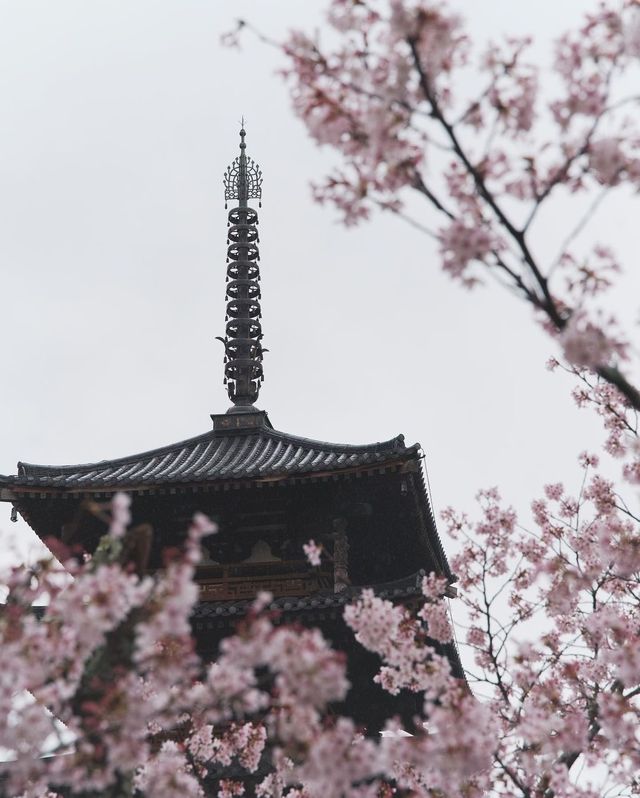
(578, 228)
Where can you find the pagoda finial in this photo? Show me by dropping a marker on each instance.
(243, 178)
(242, 347)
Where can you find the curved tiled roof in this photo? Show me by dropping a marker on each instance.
(256, 453)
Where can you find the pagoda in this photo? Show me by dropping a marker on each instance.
(269, 492)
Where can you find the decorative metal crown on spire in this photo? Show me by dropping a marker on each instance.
(242, 348)
(243, 178)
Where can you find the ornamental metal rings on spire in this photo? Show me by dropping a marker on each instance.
(243, 349)
(243, 178)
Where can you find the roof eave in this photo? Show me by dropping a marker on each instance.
(14, 490)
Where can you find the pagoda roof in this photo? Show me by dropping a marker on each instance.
(244, 447)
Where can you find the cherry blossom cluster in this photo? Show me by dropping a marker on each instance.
(100, 672)
(565, 697)
(105, 679)
(620, 418)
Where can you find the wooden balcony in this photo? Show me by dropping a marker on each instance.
(246, 580)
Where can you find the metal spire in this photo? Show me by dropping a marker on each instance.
(243, 350)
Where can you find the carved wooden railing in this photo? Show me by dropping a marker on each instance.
(245, 580)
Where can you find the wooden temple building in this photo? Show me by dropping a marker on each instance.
(269, 492)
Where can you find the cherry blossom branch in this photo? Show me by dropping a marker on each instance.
(419, 185)
(582, 223)
(513, 776)
(615, 377)
(517, 235)
(410, 221)
(561, 174)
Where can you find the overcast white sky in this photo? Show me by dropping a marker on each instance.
(118, 120)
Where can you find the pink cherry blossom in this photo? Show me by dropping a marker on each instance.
(631, 31)
(607, 161)
(120, 514)
(437, 619)
(462, 243)
(586, 344)
(313, 553)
